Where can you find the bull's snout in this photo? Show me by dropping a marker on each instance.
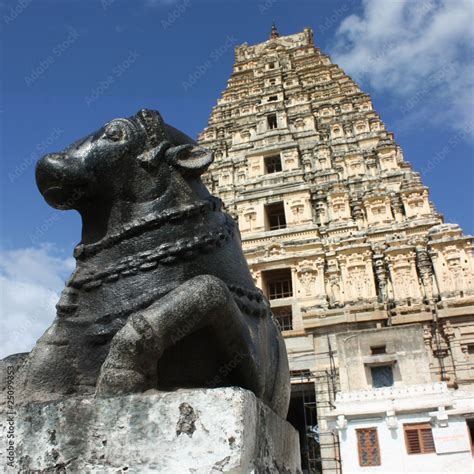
(58, 178)
(48, 171)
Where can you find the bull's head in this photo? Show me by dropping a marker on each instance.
(127, 159)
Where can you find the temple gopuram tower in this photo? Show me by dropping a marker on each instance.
(338, 229)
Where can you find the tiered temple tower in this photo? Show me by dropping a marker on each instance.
(338, 229)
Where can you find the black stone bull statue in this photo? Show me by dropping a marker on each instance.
(161, 297)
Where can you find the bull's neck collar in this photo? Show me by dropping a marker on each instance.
(152, 220)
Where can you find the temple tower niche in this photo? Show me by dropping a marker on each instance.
(337, 228)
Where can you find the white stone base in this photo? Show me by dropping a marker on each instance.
(195, 431)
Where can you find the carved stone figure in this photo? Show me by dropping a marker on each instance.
(161, 296)
(381, 276)
(334, 293)
(425, 270)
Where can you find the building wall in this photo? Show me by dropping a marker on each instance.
(410, 397)
(394, 456)
(404, 351)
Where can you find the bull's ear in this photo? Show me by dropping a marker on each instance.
(151, 158)
(189, 159)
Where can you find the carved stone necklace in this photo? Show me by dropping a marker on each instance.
(250, 301)
(148, 222)
(166, 253)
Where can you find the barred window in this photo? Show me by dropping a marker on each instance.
(278, 283)
(275, 214)
(272, 121)
(382, 376)
(279, 289)
(368, 447)
(272, 164)
(419, 438)
(284, 317)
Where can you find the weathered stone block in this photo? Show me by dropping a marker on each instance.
(196, 431)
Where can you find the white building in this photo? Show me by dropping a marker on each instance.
(389, 416)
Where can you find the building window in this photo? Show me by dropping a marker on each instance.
(273, 164)
(272, 121)
(368, 446)
(382, 376)
(376, 350)
(272, 98)
(284, 316)
(419, 438)
(470, 427)
(271, 65)
(275, 214)
(300, 374)
(278, 283)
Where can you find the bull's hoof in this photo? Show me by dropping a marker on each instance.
(120, 382)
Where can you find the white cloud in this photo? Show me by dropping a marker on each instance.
(419, 52)
(31, 280)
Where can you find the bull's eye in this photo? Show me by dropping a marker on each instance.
(114, 132)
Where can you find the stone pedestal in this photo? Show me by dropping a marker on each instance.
(195, 431)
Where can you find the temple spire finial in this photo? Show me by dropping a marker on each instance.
(274, 33)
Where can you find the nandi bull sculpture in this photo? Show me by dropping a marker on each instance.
(161, 297)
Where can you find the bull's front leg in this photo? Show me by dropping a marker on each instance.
(201, 302)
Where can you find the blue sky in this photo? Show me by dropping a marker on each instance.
(69, 66)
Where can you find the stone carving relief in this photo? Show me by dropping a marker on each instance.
(245, 135)
(381, 277)
(387, 160)
(320, 210)
(297, 210)
(404, 281)
(225, 179)
(455, 275)
(355, 165)
(306, 159)
(346, 107)
(403, 276)
(219, 154)
(425, 270)
(358, 282)
(256, 277)
(299, 124)
(339, 206)
(275, 249)
(397, 207)
(323, 158)
(307, 274)
(347, 130)
(290, 159)
(357, 213)
(378, 210)
(360, 127)
(334, 285)
(337, 131)
(375, 125)
(416, 203)
(250, 218)
(326, 112)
